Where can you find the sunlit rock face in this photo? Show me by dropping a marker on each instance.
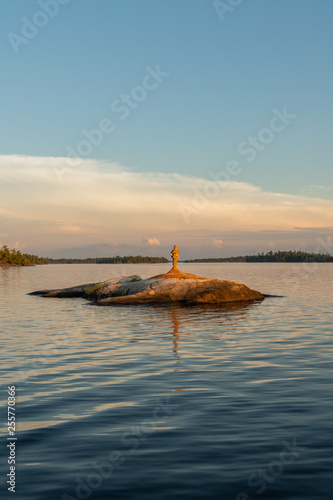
(188, 290)
(159, 289)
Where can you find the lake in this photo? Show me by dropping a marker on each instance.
(160, 402)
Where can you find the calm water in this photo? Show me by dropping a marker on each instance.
(143, 402)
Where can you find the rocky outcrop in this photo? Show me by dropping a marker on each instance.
(90, 291)
(160, 289)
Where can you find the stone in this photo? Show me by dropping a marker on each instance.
(187, 290)
(89, 290)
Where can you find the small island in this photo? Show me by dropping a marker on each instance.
(173, 286)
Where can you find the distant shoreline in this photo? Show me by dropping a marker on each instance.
(289, 256)
(211, 261)
(70, 263)
(13, 258)
(112, 260)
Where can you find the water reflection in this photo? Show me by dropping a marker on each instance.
(175, 322)
(182, 317)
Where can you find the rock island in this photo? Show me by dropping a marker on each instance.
(174, 286)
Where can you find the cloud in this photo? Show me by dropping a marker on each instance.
(18, 246)
(153, 241)
(63, 229)
(217, 243)
(103, 203)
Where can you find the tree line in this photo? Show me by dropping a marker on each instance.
(129, 259)
(12, 257)
(279, 256)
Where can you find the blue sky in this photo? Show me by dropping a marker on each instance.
(225, 79)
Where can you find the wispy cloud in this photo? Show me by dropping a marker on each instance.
(105, 203)
(64, 229)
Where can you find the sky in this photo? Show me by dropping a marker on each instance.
(127, 127)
